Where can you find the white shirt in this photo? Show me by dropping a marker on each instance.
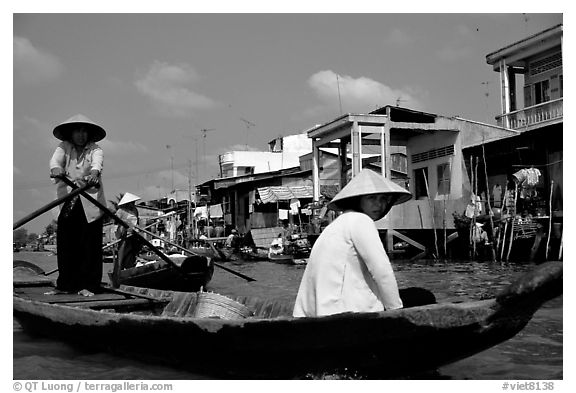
(348, 270)
(76, 167)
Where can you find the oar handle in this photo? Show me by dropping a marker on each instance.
(49, 206)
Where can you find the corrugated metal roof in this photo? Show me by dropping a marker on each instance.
(284, 193)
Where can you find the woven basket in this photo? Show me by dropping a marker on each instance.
(213, 305)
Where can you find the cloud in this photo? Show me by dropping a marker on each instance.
(169, 89)
(113, 147)
(460, 47)
(32, 65)
(241, 147)
(398, 37)
(455, 53)
(359, 95)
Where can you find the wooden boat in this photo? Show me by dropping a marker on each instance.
(161, 325)
(187, 274)
(281, 258)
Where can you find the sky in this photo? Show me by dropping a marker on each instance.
(155, 81)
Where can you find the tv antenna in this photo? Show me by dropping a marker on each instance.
(399, 100)
(248, 125)
(487, 95)
(204, 131)
(339, 96)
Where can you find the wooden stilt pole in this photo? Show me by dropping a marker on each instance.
(503, 244)
(512, 222)
(489, 206)
(473, 200)
(444, 226)
(561, 245)
(475, 208)
(431, 214)
(549, 219)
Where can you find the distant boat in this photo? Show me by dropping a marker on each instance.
(189, 273)
(257, 338)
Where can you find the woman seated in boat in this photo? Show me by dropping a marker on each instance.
(277, 245)
(349, 269)
(233, 240)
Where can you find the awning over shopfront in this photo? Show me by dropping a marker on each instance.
(284, 193)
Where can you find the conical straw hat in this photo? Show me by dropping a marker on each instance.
(369, 182)
(127, 198)
(63, 130)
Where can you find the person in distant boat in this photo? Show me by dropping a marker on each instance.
(130, 245)
(277, 245)
(233, 240)
(348, 269)
(79, 232)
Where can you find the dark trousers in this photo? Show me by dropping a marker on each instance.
(127, 251)
(79, 250)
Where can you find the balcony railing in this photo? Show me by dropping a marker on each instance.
(533, 115)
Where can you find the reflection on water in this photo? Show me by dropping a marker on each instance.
(535, 353)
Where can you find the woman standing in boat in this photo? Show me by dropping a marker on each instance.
(130, 245)
(349, 269)
(79, 232)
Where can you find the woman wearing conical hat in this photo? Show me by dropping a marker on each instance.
(348, 269)
(130, 245)
(79, 233)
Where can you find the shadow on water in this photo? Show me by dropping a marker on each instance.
(535, 353)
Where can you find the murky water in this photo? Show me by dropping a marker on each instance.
(535, 353)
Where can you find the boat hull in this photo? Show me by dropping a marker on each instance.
(191, 274)
(387, 344)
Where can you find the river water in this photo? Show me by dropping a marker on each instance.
(536, 353)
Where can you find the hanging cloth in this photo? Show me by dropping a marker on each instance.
(294, 206)
(282, 214)
(201, 211)
(216, 211)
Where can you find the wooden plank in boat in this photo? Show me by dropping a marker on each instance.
(38, 294)
(112, 303)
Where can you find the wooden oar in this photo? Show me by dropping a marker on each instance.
(49, 206)
(119, 240)
(142, 238)
(191, 252)
(119, 221)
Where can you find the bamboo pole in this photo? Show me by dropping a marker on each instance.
(431, 213)
(473, 221)
(444, 226)
(512, 222)
(489, 206)
(473, 200)
(561, 245)
(503, 244)
(549, 220)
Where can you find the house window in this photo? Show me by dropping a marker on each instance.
(542, 92)
(443, 171)
(420, 177)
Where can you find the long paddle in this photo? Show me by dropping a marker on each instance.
(119, 221)
(49, 206)
(142, 238)
(190, 252)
